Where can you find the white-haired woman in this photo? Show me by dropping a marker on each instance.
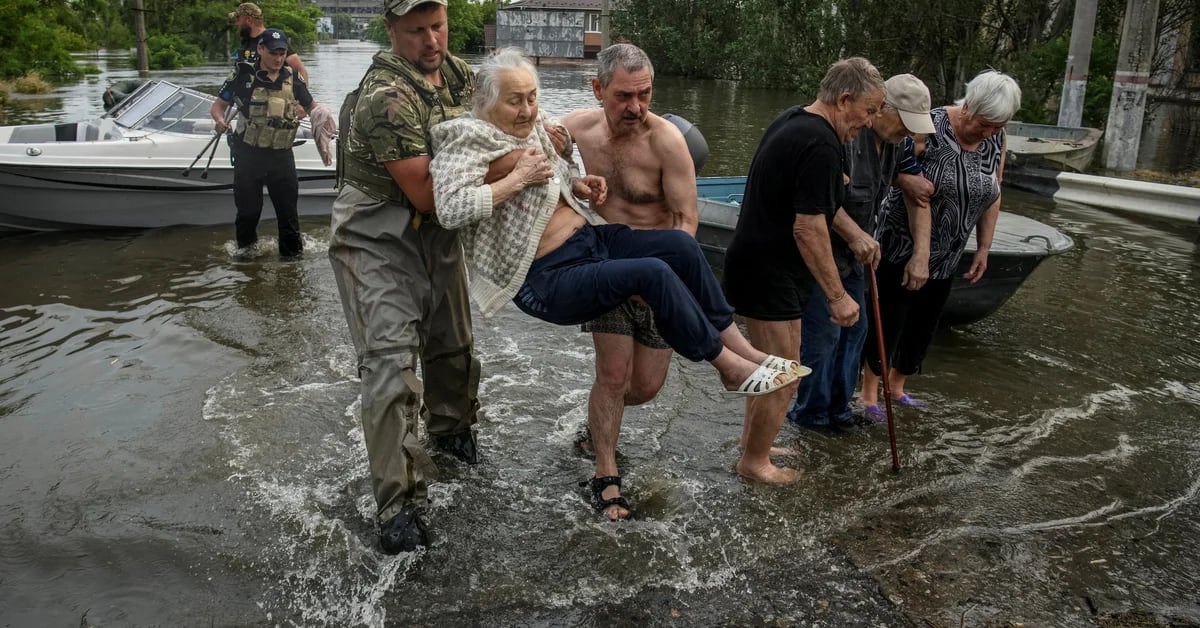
(923, 240)
(528, 238)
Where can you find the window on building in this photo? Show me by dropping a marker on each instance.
(593, 22)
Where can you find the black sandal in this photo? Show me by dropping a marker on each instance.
(599, 503)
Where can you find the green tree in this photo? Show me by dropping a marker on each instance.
(377, 31)
(206, 25)
(31, 40)
(465, 22)
(343, 27)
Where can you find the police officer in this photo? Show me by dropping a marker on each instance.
(247, 18)
(267, 96)
(401, 275)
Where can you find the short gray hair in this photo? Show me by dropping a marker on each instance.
(627, 57)
(993, 96)
(855, 76)
(487, 80)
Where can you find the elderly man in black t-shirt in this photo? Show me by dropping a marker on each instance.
(781, 245)
(831, 351)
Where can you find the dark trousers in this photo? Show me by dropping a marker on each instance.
(276, 169)
(599, 268)
(909, 319)
(833, 353)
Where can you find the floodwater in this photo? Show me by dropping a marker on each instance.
(179, 445)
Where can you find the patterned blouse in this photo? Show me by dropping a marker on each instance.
(965, 184)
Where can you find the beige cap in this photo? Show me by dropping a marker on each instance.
(909, 96)
(400, 7)
(246, 8)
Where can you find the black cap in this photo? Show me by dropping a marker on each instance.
(273, 39)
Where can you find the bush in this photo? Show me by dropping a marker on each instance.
(168, 52)
(32, 83)
(29, 42)
(73, 41)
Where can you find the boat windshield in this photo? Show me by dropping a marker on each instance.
(165, 107)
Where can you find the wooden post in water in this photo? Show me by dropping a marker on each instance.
(1124, 132)
(1070, 108)
(139, 25)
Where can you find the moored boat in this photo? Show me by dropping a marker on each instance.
(1048, 146)
(1020, 244)
(127, 168)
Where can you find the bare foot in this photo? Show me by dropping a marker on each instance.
(775, 451)
(768, 473)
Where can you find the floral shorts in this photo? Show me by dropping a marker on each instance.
(631, 318)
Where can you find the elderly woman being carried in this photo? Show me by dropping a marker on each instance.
(528, 237)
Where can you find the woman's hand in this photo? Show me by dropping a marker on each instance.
(916, 272)
(592, 187)
(978, 267)
(533, 168)
(560, 140)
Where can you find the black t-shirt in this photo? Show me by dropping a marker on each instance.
(248, 52)
(799, 169)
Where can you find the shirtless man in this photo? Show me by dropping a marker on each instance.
(651, 185)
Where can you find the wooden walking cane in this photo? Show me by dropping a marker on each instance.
(883, 367)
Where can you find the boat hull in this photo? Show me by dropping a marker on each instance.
(1049, 146)
(145, 164)
(42, 198)
(1019, 246)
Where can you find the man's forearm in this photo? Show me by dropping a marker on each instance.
(845, 226)
(686, 221)
(812, 238)
(918, 225)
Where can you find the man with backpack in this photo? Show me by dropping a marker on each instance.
(400, 274)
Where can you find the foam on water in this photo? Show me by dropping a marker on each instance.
(324, 512)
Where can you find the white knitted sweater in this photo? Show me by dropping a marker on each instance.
(499, 242)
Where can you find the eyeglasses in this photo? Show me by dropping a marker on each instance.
(277, 53)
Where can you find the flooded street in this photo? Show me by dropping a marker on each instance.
(179, 443)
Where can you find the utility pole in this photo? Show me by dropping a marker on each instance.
(605, 23)
(1124, 132)
(1070, 106)
(139, 26)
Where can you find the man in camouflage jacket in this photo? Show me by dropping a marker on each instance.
(400, 274)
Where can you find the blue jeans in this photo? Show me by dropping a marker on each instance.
(600, 267)
(833, 353)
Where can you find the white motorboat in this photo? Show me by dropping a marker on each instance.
(133, 168)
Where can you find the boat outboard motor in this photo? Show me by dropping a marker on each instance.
(696, 144)
(114, 94)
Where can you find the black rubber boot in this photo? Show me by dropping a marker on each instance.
(461, 445)
(403, 533)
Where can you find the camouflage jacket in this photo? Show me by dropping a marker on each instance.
(395, 110)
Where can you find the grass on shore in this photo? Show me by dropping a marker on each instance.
(31, 83)
(1187, 178)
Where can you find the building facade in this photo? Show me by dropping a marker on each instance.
(560, 29)
(361, 11)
